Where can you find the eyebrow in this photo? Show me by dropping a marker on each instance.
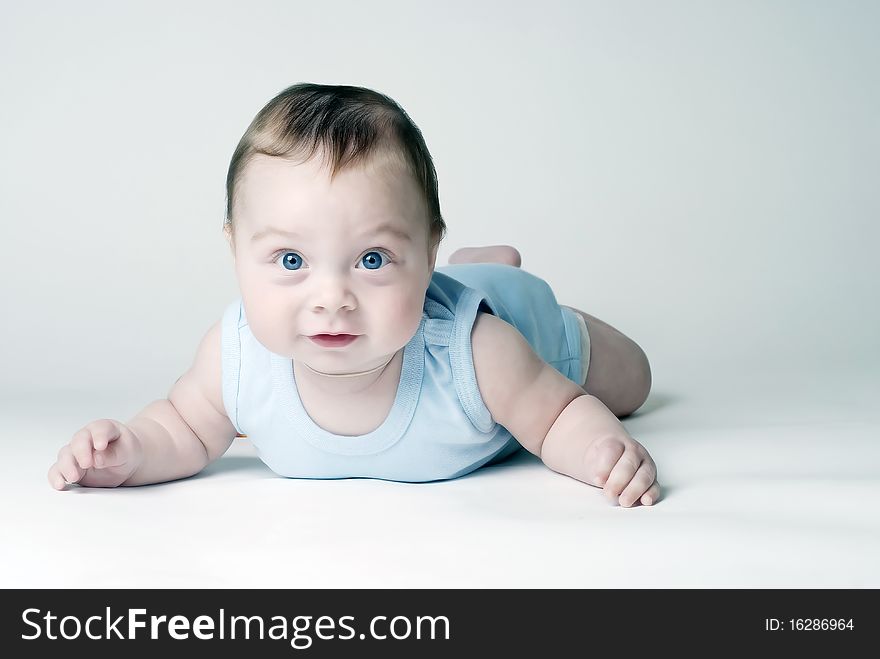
(382, 228)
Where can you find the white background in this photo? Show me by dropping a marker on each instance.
(701, 175)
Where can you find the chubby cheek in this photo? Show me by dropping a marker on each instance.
(401, 315)
(270, 327)
(269, 319)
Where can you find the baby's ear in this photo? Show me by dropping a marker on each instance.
(433, 259)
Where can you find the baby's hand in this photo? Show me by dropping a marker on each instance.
(623, 468)
(102, 454)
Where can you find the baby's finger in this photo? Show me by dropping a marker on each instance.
(603, 456)
(639, 484)
(650, 497)
(103, 432)
(70, 470)
(622, 473)
(82, 449)
(56, 480)
(112, 456)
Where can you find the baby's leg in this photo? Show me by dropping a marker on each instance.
(491, 254)
(619, 373)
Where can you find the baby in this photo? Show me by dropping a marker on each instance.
(349, 355)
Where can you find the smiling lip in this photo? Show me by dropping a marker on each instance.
(333, 340)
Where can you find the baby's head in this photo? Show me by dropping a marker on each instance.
(345, 178)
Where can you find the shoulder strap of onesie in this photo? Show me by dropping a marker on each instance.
(461, 360)
(233, 321)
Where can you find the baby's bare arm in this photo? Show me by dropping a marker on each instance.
(189, 429)
(171, 450)
(587, 442)
(157, 445)
(573, 432)
(171, 438)
(153, 447)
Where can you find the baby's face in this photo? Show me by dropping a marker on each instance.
(333, 271)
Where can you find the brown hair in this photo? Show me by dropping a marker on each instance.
(351, 124)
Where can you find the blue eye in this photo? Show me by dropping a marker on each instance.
(372, 262)
(292, 259)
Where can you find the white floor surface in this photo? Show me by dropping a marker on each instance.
(760, 489)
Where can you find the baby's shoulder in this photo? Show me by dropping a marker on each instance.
(499, 350)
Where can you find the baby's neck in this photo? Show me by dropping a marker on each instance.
(351, 384)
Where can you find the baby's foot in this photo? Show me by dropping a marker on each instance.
(490, 254)
(624, 470)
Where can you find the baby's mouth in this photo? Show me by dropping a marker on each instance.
(333, 340)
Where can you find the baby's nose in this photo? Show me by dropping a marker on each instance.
(333, 297)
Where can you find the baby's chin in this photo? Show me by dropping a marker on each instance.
(366, 351)
(345, 359)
